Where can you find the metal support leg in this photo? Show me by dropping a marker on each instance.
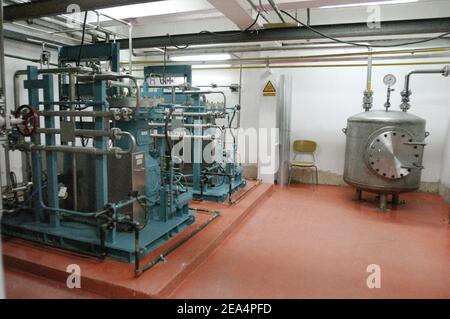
(290, 175)
(383, 202)
(358, 195)
(395, 200)
(317, 175)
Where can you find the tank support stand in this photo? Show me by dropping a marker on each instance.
(395, 200)
(358, 195)
(383, 202)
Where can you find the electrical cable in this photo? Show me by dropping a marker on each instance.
(84, 141)
(234, 34)
(82, 39)
(362, 44)
(166, 133)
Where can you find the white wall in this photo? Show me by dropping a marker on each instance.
(323, 99)
(445, 175)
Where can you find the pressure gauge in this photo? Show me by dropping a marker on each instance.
(390, 80)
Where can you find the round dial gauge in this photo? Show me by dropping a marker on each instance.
(390, 80)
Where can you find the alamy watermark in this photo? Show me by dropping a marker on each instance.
(374, 279)
(74, 279)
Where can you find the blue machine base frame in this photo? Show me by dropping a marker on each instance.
(219, 193)
(78, 237)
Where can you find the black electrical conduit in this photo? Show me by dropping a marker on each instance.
(138, 270)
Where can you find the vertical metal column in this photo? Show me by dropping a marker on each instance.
(36, 158)
(72, 93)
(101, 161)
(2, 138)
(51, 157)
(284, 107)
(101, 164)
(198, 155)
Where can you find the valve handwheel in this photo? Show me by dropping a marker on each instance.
(30, 120)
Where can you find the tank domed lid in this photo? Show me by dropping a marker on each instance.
(385, 116)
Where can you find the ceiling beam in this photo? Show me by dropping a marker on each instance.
(44, 8)
(232, 10)
(401, 27)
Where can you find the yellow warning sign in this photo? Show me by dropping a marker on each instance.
(269, 90)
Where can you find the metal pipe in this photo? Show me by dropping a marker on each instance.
(369, 69)
(208, 92)
(303, 66)
(18, 57)
(19, 188)
(19, 73)
(113, 77)
(406, 93)
(85, 133)
(324, 57)
(204, 126)
(368, 93)
(78, 70)
(162, 86)
(444, 71)
(181, 136)
(133, 146)
(201, 114)
(106, 114)
(119, 84)
(275, 8)
(28, 147)
(130, 52)
(42, 31)
(319, 46)
(254, 7)
(130, 37)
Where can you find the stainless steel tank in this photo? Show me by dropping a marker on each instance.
(384, 153)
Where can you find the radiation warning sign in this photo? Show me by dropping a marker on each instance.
(269, 89)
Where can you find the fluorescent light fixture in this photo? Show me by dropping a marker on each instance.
(155, 8)
(375, 3)
(211, 66)
(202, 57)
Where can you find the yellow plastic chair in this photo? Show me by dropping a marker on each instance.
(304, 147)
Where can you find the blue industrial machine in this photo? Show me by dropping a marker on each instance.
(206, 163)
(101, 185)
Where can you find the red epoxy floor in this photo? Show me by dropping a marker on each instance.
(113, 279)
(23, 285)
(315, 242)
(300, 242)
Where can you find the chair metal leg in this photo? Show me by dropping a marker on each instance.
(317, 175)
(290, 176)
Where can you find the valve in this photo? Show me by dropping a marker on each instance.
(30, 120)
